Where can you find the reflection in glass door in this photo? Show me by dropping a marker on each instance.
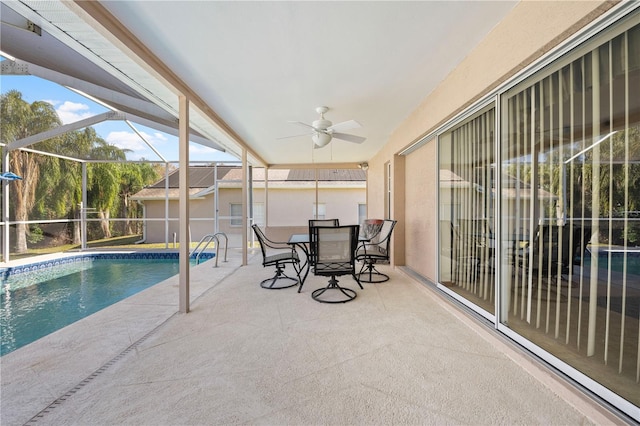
(570, 226)
(467, 196)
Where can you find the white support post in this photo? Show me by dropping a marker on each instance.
(166, 206)
(183, 151)
(245, 199)
(83, 209)
(5, 207)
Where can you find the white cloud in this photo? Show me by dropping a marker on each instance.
(130, 140)
(196, 148)
(159, 137)
(70, 112)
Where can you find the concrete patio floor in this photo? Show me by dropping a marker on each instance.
(398, 354)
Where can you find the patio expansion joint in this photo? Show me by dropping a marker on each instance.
(60, 400)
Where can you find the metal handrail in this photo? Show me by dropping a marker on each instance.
(206, 240)
(226, 243)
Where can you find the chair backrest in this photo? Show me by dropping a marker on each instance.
(268, 247)
(335, 249)
(382, 242)
(315, 223)
(370, 229)
(549, 252)
(262, 239)
(324, 222)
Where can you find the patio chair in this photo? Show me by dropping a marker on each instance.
(375, 251)
(370, 229)
(318, 222)
(552, 256)
(277, 254)
(335, 249)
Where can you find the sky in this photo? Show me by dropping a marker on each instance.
(72, 107)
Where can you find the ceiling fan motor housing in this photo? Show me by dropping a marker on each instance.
(321, 124)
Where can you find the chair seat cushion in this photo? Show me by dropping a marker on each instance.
(372, 252)
(281, 258)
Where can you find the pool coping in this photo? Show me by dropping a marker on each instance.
(48, 261)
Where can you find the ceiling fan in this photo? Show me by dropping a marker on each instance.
(322, 130)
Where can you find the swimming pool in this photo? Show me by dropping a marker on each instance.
(43, 297)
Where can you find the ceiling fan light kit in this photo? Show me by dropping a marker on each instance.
(323, 130)
(321, 139)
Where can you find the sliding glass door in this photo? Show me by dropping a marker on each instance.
(570, 211)
(467, 196)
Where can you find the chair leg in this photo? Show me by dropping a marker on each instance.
(334, 288)
(369, 274)
(271, 283)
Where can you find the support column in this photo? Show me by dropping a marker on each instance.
(83, 209)
(5, 207)
(245, 200)
(183, 153)
(398, 210)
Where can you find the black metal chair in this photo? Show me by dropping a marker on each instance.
(376, 250)
(314, 223)
(370, 228)
(277, 254)
(335, 249)
(324, 222)
(555, 248)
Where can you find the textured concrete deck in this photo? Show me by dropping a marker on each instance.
(397, 354)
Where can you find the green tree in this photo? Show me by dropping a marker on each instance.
(133, 178)
(104, 181)
(20, 120)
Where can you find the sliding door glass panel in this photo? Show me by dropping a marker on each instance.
(467, 193)
(570, 218)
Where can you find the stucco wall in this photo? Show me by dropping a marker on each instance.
(288, 209)
(200, 208)
(528, 32)
(295, 207)
(421, 195)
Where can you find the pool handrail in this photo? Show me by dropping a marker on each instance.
(206, 240)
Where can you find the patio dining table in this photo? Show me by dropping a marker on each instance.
(301, 241)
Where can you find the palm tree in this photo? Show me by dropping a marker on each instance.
(104, 180)
(20, 120)
(134, 177)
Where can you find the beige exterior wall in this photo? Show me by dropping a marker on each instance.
(289, 210)
(199, 208)
(421, 213)
(532, 29)
(296, 207)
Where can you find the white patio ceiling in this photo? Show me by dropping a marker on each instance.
(258, 65)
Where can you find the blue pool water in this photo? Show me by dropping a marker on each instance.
(39, 299)
(617, 260)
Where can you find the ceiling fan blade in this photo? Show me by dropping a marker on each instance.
(345, 125)
(300, 123)
(349, 138)
(294, 136)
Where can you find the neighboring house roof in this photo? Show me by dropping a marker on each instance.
(512, 187)
(202, 182)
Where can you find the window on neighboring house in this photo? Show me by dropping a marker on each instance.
(321, 211)
(362, 212)
(235, 211)
(258, 214)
